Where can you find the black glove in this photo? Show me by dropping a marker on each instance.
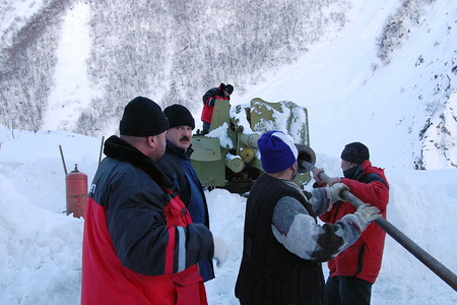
(211, 101)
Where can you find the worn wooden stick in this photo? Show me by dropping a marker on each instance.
(63, 160)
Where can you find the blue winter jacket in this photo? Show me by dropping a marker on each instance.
(177, 164)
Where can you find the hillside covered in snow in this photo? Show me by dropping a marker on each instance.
(385, 65)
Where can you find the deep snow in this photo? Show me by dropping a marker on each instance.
(40, 247)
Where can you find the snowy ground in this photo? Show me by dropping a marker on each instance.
(40, 247)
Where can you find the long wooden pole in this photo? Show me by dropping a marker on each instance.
(101, 150)
(439, 269)
(63, 160)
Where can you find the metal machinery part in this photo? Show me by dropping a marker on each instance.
(228, 156)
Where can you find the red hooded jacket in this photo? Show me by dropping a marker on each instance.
(362, 259)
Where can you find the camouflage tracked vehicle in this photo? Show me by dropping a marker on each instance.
(228, 155)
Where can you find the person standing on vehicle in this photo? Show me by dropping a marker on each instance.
(223, 93)
(283, 243)
(140, 245)
(354, 271)
(177, 161)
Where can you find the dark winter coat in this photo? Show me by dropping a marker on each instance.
(209, 99)
(269, 273)
(140, 245)
(177, 163)
(362, 259)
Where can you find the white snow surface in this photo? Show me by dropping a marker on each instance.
(40, 246)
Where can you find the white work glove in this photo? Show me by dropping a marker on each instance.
(335, 192)
(220, 251)
(316, 173)
(365, 214)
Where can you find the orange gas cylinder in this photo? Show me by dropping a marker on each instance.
(76, 187)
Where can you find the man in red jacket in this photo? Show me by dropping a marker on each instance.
(140, 245)
(209, 98)
(354, 271)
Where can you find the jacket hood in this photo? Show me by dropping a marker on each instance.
(119, 149)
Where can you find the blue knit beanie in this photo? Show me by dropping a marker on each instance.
(277, 151)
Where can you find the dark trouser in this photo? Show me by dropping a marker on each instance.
(206, 126)
(347, 290)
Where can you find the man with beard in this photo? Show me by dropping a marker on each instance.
(283, 243)
(176, 162)
(140, 245)
(354, 271)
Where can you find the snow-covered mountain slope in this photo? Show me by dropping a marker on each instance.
(404, 108)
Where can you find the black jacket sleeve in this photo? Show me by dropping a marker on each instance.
(138, 227)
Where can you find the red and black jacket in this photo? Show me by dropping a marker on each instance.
(140, 245)
(208, 101)
(362, 259)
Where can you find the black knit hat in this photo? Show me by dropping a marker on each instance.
(142, 118)
(229, 88)
(179, 115)
(355, 152)
(224, 87)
